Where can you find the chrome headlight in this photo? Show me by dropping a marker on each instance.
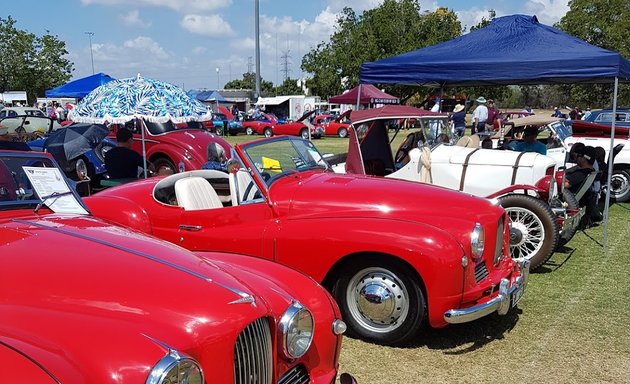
(477, 241)
(100, 153)
(176, 368)
(296, 331)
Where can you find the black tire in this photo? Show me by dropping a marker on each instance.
(162, 164)
(534, 232)
(249, 131)
(304, 133)
(342, 132)
(218, 131)
(392, 320)
(571, 203)
(267, 132)
(620, 186)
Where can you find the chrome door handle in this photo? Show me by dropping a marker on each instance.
(193, 228)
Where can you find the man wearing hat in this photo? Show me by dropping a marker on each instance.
(480, 115)
(458, 117)
(529, 143)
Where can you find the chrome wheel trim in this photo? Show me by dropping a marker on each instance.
(527, 233)
(81, 169)
(343, 133)
(377, 300)
(619, 184)
(249, 131)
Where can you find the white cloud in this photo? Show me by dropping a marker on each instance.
(199, 50)
(148, 47)
(132, 19)
(177, 5)
(547, 11)
(212, 25)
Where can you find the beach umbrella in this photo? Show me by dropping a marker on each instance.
(122, 100)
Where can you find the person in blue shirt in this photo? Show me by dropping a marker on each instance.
(529, 143)
(216, 158)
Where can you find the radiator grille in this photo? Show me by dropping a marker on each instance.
(253, 360)
(296, 375)
(481, 271)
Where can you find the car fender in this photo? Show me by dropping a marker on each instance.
(127, 213)
(24, 369)
(432, 253)
(520, 189)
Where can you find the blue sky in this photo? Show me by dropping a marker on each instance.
(185, 41)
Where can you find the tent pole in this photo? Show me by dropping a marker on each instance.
(610, 164)
(358, 97)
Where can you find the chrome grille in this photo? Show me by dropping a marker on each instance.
(481, 271)
(498, 245)
(296, 375)
(253, 360)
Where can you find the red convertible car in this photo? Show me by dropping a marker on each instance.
(270, 127)
(169, 147)
(392, 264)
(334, 125)
(85, 301)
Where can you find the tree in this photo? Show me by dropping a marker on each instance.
(249, 82)
(31, 63)
(395, 27)
(604, 23)
(288, 87)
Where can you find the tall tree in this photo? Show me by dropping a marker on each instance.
(604, 23)
(395, 27)
(249, 82)
(29, 62)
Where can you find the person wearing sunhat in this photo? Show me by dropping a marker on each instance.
(479, 117)
(458, 117)
(529, 143)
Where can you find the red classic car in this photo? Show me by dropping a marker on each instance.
(85, 301)
(171, 147)
(333, 125)
(262, 125)
(391, 264)
(270, 127)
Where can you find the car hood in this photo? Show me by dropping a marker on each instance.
(79, 284)
(316, 194)
(194, 140)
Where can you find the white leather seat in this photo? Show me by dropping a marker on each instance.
(195, 193)
(242, 187)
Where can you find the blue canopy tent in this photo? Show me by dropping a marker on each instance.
(80, 87)
(513, 49)
(207, 96)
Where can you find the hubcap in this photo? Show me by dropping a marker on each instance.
(377, 300)
(527, 233)
(619, 184)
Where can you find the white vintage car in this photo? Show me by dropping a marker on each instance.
(525, 184)
(561, 138)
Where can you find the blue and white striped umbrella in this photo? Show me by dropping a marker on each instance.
(138, 97)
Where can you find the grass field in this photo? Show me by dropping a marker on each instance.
(572, 326)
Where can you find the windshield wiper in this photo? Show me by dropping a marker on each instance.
(54, 195)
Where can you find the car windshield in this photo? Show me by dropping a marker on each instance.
(561, 129)
(219, 116)
(277, 157)
(168, 126)
(35, 180)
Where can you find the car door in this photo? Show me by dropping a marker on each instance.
(247, 229)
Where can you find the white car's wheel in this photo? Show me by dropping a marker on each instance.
(534, 232)
(620, 186)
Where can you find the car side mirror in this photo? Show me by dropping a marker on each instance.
(233, 165)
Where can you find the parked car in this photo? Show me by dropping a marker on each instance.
(87, 301)
(604, 116)
(260, 125)
(169, 147)
(393, 265)
(26, 122)
(561, 138)
(220, 122)
(300, 127)
(333, 125)
(525, 184)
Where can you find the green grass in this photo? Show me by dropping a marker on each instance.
(571, 327)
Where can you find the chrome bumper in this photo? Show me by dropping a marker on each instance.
(500, 304)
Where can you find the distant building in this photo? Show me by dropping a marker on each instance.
(14, 98)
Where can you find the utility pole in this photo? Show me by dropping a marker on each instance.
(257, 11)
(90, 34)
(286, 65)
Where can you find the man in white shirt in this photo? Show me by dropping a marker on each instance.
(479, 117)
